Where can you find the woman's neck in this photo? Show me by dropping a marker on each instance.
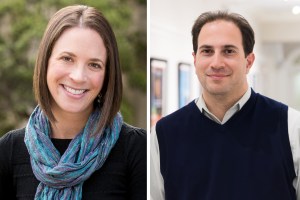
(68, 125)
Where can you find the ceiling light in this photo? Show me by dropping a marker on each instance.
(296, 10)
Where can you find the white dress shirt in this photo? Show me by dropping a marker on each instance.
(157, 191)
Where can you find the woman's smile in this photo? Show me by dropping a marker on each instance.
(74, 91)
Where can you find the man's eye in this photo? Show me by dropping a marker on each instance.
(206, 51)
(229, 51)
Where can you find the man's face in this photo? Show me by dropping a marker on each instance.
(220, 62)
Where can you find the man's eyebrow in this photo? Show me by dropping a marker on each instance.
(205, 46)
(230, 46)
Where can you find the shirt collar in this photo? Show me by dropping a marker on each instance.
(236, 107)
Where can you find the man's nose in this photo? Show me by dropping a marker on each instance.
(217, 61)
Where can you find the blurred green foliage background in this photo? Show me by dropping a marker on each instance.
(22, 23)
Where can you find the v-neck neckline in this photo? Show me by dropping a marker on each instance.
(233, 119)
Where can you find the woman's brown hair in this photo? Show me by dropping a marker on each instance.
(89, 17)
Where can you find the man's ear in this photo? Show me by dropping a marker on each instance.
(250, 60)
(194, 55)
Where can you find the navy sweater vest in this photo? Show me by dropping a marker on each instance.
(247, 158)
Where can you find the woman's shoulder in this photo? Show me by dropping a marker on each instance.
(128, 129)
(13, 137)
(133, 135)
(132, 138)
(10, 144)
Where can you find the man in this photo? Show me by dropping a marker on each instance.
(231, 143)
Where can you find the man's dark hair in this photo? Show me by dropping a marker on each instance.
(244, 26)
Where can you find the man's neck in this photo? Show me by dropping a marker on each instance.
(218, 105)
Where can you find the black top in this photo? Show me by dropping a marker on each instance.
(123, 175)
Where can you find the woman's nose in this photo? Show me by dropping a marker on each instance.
(78, 74)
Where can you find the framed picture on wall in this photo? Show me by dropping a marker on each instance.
(157, 75)
(184, 84)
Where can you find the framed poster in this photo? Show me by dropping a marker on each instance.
(184, 84)
(157, 70)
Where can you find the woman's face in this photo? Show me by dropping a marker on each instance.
(76, 70)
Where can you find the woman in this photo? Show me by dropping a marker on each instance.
(75, 145)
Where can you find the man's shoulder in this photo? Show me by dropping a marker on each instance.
(268, 102)
(180, 114)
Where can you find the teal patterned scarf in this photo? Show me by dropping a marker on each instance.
(62, 176)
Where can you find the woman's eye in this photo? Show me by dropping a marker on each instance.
(95, 65)
(66, 58)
